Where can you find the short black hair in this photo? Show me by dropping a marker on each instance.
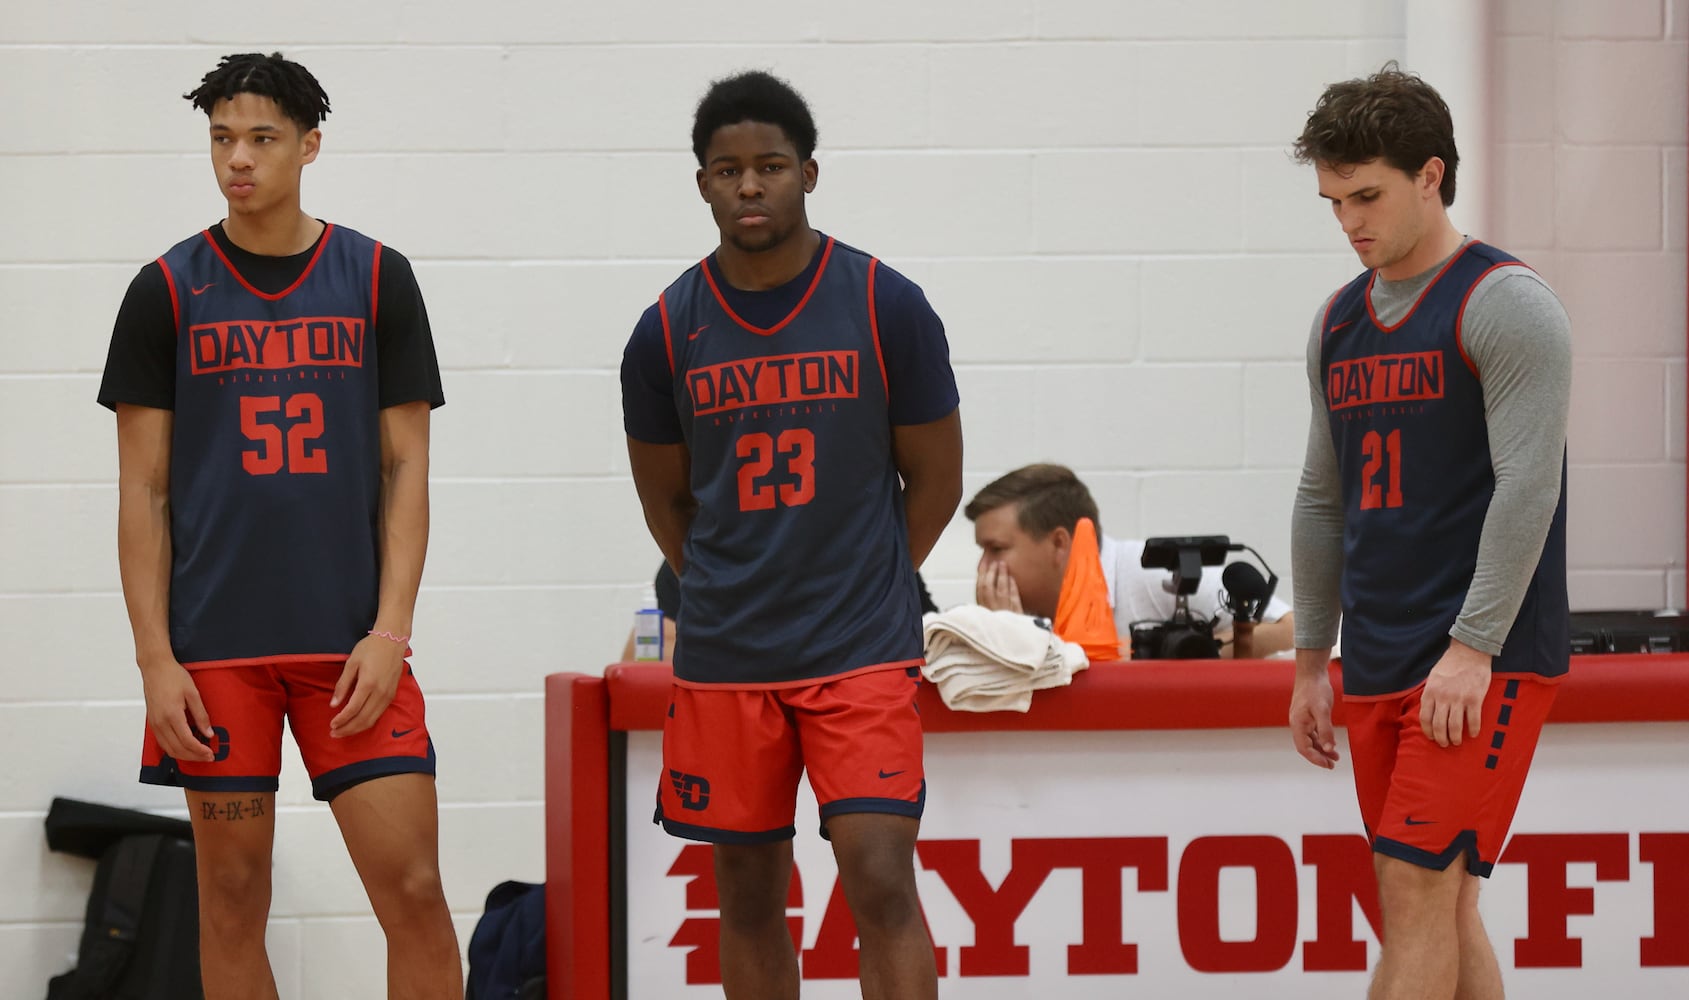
(753, 96)
(289, 84)
(1393, 115)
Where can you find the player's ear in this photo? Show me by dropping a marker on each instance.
(702, 193)
(811, 174)
(1431, 177)
(312, 142)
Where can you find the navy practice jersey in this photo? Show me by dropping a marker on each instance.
(275, 450)
(1407, 420)
(797, 564)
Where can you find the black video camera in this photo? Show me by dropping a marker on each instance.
(1183, 636)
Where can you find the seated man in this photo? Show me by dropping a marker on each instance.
(1024, 524)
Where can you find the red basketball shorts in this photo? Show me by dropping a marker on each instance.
(732, 758)
(247, 705)
(1427, 804)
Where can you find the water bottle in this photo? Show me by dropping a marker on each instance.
(648, 628)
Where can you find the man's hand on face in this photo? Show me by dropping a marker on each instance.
(994, 587)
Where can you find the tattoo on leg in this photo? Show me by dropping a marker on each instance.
(232, 811)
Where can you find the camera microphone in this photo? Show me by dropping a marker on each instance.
(1247, 592)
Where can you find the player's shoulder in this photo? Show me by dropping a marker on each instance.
(650, 320)
(885, 275)
(895, 293)
(350, 235)
(198, 242)
(1509, 284)
(682, 283)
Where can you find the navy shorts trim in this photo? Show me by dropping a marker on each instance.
(167, 773)
(1466, 840)
(892, 807)
(325, 786)
(711, 835)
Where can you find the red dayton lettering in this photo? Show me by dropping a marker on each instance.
(1100, 861)
(785, 378)
(1343, 879)
(247, 344)
(1384, 378)
(1669, 854)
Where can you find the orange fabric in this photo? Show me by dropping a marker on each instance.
(1082, 612)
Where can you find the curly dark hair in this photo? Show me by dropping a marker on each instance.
(1390, 114)
(754, 96)
(1050, 496)
(289, 84)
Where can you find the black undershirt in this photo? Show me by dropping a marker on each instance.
(141, 364)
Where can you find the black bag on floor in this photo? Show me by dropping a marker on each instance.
(140, 940)
(507, 948)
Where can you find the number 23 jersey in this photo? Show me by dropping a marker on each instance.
(797, 562)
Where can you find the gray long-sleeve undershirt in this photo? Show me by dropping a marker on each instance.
(1520, 340)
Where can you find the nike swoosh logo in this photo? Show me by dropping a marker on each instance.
(201, 289)
(397, 733)
(1410, 821)
(1339, 326)
(891, 774)
(694, 334)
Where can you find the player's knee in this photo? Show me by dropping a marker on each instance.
(880, 887)
(234, 893)
(410, 893)
(753, 882)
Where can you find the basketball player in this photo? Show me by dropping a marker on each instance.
(794, 436)
(272, 377)
(1432, 512)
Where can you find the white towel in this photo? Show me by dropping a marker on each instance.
(992, 661)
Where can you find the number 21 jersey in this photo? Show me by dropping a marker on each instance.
(1406, 410)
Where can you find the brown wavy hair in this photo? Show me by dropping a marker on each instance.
(1391, 115)
(1050, 497)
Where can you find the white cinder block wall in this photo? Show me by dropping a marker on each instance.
(1096, 196)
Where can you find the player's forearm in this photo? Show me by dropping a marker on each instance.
(404, 542)
(1521, 512)
(143, 561)
(928, 505)
(670, 520)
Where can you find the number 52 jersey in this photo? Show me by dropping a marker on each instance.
(275, 450)
(797, 562)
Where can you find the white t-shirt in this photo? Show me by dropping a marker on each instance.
(1137, 594)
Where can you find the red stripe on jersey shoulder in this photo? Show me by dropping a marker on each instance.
(668, 338)
(1460, 317)
(1416, 302)
(328, 231)
(874, 326)
(175, 302)
(826, 254)
(375, 285)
